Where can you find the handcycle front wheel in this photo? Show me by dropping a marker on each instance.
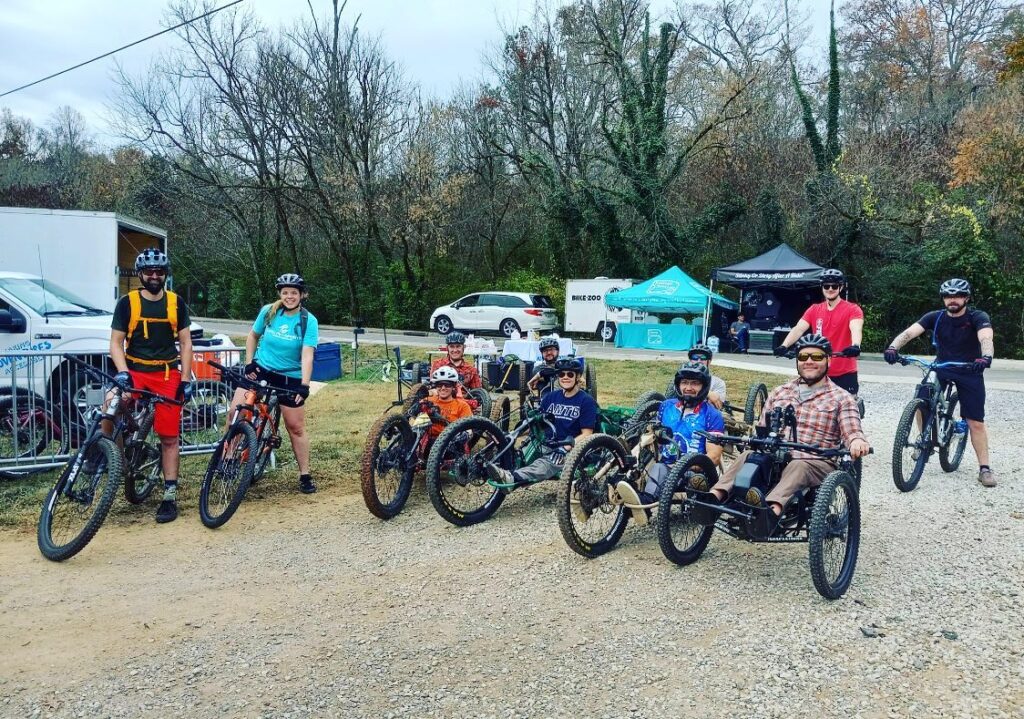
(590, 522)
(228, 475)
(906, 469)
(834, 535)
(456, 476)
(951, 451)
(757, 395)
(683, 540)
(80, 500)
(385, 475)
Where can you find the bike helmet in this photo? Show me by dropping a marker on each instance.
(702, 351)
(832, 276)
(152, 259)
(290, 279)
(444, 374)
(697, 371)
(816, 341)
(546, 342)
(455, 338)
(954, 287)
(563, 364)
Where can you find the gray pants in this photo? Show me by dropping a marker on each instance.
(547, 467)
(656, 474)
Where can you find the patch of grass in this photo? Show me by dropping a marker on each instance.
(337, 420)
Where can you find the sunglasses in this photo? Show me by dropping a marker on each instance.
(813, 356)
(155, 273)
(449, 385)
(566, 373)
(831, 287)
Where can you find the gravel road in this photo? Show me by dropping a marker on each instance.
(308, 607)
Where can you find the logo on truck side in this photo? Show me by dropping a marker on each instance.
(9, 364)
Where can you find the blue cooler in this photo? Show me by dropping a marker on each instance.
(327, 362)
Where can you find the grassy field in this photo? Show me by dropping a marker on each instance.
(337, 419)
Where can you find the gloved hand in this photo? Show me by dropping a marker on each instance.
(781, 351)
(891, 354)
(185, 391)
(303, 391)
(851, 351)
(123, 380)
(250, 369)
(981, 364)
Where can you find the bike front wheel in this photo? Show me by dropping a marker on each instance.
(227, 475)
(590, 521)
(456, 471)
(79, 502)
(910, 440)
(386, 470)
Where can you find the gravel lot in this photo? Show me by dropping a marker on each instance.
(308, 606)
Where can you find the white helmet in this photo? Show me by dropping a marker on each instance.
(444, 373)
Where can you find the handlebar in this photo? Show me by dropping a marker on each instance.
(934, 364)
(237, 375)
(772, 443)
(104, 378)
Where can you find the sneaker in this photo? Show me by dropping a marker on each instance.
(628, 494)
(987, 477)
(167, 511)
(498, 475)
(699, 482)
(306, 485)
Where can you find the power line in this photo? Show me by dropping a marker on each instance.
(124, 47)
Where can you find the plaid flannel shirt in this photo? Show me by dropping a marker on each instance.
(828, 418)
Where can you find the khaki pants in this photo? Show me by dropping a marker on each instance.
(798, 474)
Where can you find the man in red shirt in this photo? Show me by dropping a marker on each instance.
(841, 322)
(468, 375)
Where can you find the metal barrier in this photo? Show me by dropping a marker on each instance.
(46, 406)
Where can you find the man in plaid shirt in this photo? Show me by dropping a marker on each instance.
(826, 415)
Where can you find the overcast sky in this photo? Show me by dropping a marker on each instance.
(439, 43)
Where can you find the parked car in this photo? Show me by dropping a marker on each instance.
(501, 312)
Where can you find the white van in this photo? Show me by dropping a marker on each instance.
(585, 310)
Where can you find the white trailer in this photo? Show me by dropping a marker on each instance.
(91, 254)
(586, 312)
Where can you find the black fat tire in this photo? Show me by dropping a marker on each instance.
(141, 478)
(634, 426)
(488, 502)
(590, 379)
(906, 478)
(501, 410)
(483, 401)
(646, 397)
(757, 395)
(263, 448)
(951, 452)
(673, 513)
(391, 426)
(102, 450)
(832, 584)
(573, 472)
(245, 451)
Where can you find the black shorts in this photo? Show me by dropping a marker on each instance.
(279, 380)
(848, 381)
(971, 390)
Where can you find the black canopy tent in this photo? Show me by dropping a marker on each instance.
(776, 287)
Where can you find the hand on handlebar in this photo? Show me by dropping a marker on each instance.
(851, 351)
(859, 448)
(123, 380)
(891, 355)
(781, 351)
(981, 364)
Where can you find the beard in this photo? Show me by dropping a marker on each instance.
(955, 307)
(812, 376)
(153, 286)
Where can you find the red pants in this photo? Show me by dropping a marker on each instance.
(167, 417)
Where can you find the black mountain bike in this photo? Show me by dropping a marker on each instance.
(928, 423)
(80, 500)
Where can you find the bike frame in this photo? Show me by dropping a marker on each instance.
(937, 400)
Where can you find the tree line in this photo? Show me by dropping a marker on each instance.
(604, 140)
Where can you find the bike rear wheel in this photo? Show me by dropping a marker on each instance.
(951, 451)
(906, 469)
(227, 475)
(590, 522)
(80, 500)
(386, 473)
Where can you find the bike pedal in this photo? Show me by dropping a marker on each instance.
(274, 442)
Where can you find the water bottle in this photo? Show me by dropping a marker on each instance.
(961, 426)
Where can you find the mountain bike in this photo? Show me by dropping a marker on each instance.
(242, 454)
(80, 500)
(928, 423)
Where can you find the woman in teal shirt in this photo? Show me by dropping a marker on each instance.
(281, 344)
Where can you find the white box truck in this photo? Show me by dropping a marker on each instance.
(586, 312)
(90, 254)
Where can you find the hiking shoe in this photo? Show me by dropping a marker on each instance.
(167, 511)
(498, 475)
(306, 485)
(628, 494)
(699, 482)
(987, 477)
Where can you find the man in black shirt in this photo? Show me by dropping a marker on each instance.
(959, 334)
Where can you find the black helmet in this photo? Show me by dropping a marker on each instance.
(546, 342)
(954, 287)
(832, 276)
(290, 279)
(152, 259)
(817, 341)
(702, 351)
(697, 371)
(563, 364)
(455, 338)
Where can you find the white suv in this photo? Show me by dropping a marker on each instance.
(501, 312)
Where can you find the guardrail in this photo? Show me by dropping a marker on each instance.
(46, 404)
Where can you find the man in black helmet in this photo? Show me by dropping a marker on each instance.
(548, 347)
(959, 334)
(826, 415)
